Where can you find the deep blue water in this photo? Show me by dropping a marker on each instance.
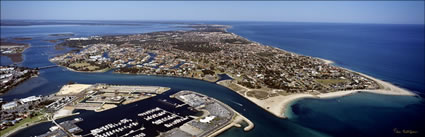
(394, 53)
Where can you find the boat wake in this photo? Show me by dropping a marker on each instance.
(237, 103)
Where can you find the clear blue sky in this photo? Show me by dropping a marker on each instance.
(410, 12)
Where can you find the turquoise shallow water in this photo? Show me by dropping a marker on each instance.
(357, 115)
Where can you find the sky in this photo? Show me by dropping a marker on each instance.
(387, 12)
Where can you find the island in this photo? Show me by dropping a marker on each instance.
(268, 76)
(22, 39)
(52, 41)
(62, 34)
(13, 50)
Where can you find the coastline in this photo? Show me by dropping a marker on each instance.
(277, 105)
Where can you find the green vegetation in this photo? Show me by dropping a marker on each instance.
(258, 94)
(79, 65)
(91, 68)
(37, 118)
(234, 87)
(331, 81)
(266, 54)
(236, 41)
(194, 46)
(84, 66)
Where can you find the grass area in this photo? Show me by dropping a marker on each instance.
(331, 81)
(258, 94)
(79, 65)
(196, 74)
(27, 120)
(211, 78)
(235, 87)
(91, 68)
(84, 65)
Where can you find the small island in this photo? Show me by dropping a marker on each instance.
(62, 34)
(268, 76)
(52, 41)
(13, 50)
(22, 39)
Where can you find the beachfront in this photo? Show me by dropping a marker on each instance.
(278, 105)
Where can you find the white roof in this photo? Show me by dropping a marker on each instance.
(207, 119)
(9, 105)
(29, 99)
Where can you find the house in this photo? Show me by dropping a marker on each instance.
(9, 105)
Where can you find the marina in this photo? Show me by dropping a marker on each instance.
(196, 115)
(124, 127)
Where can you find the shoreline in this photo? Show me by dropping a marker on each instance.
(278, 105)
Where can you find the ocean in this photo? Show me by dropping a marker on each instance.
(394, 53)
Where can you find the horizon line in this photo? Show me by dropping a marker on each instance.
(149, 20)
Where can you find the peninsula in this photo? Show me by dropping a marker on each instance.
(268, 76)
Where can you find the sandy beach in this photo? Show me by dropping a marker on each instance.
(325, 61)
(277, 105)
(72, 89)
